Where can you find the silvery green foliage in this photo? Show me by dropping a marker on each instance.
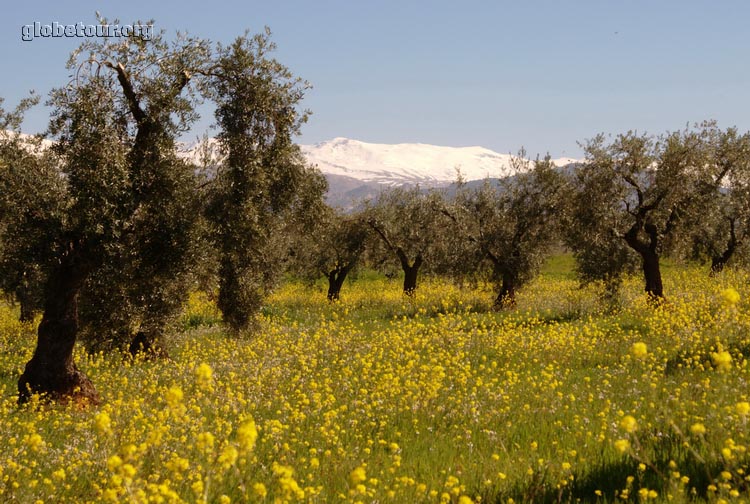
(508, 228)
(410, 231)
(32, 205)
(720, 224)
(263, 182)
(638, 197)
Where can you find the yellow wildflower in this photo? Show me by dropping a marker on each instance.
(629, 424)
(622, 445)
(742, 408)
(259, 489)
(358, 475)
(205, 441)
(228, 456)
(103, 422)
(639, 350)
(698, 429)
(174, 395)
(114, 462)
(722, 360)
(730, 296)
(247, 434)
(204, 375)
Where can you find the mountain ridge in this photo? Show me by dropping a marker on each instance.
(358, 170)
(410, 163)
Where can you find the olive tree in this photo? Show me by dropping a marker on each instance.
(263, 180)
(633, 197)
(508, 227)
(410, 225)
(331, 247)
(116, 208)
(720, 224)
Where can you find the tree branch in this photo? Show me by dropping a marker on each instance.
(127, 88)
(374, 226)
(634, 184)
(631, 238)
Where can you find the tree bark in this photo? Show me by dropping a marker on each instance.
(718, 261)
(25, 296)
(147, 347)
(649, 259)
(51, 370)
(506, 298)
(27, 309)
(335, 281)
(410, 273)
(652, 275)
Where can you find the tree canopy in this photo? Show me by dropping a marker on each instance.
(110, 218)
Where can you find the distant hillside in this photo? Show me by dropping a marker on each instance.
(357, 170)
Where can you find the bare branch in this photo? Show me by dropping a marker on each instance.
(127, 88)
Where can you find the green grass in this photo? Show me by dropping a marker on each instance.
(434, 397)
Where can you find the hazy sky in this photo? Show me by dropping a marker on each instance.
(542, 74)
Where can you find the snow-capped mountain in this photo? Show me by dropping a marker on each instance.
(400, 164)
(357, 170)
(391, 164)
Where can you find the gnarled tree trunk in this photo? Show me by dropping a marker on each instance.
(336, 279)
(718, 261)
(649, 259)
(652, 275)
(27, 301)
(717, 264)
(147, 346)
(27, 310)
(506, 298)
(51, 370)
(410, 270)
(410, 273)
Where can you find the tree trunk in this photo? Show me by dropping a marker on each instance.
(717, 264)
(649, 258)
(231, 289)
(410, 279)
(335, 281)
(27, 309)
(652, 275)
(720, 260)
(507, 297)
(51, 370)
(411, 271)
(26, 300)
(147, 347)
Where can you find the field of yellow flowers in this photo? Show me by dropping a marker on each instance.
(382, 398)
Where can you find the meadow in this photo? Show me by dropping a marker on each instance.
(383, 398)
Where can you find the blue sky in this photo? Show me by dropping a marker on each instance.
(539, 74)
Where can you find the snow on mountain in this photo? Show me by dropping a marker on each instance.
(399, 164)
(391, 164)
(381, 164)
(358, 170)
